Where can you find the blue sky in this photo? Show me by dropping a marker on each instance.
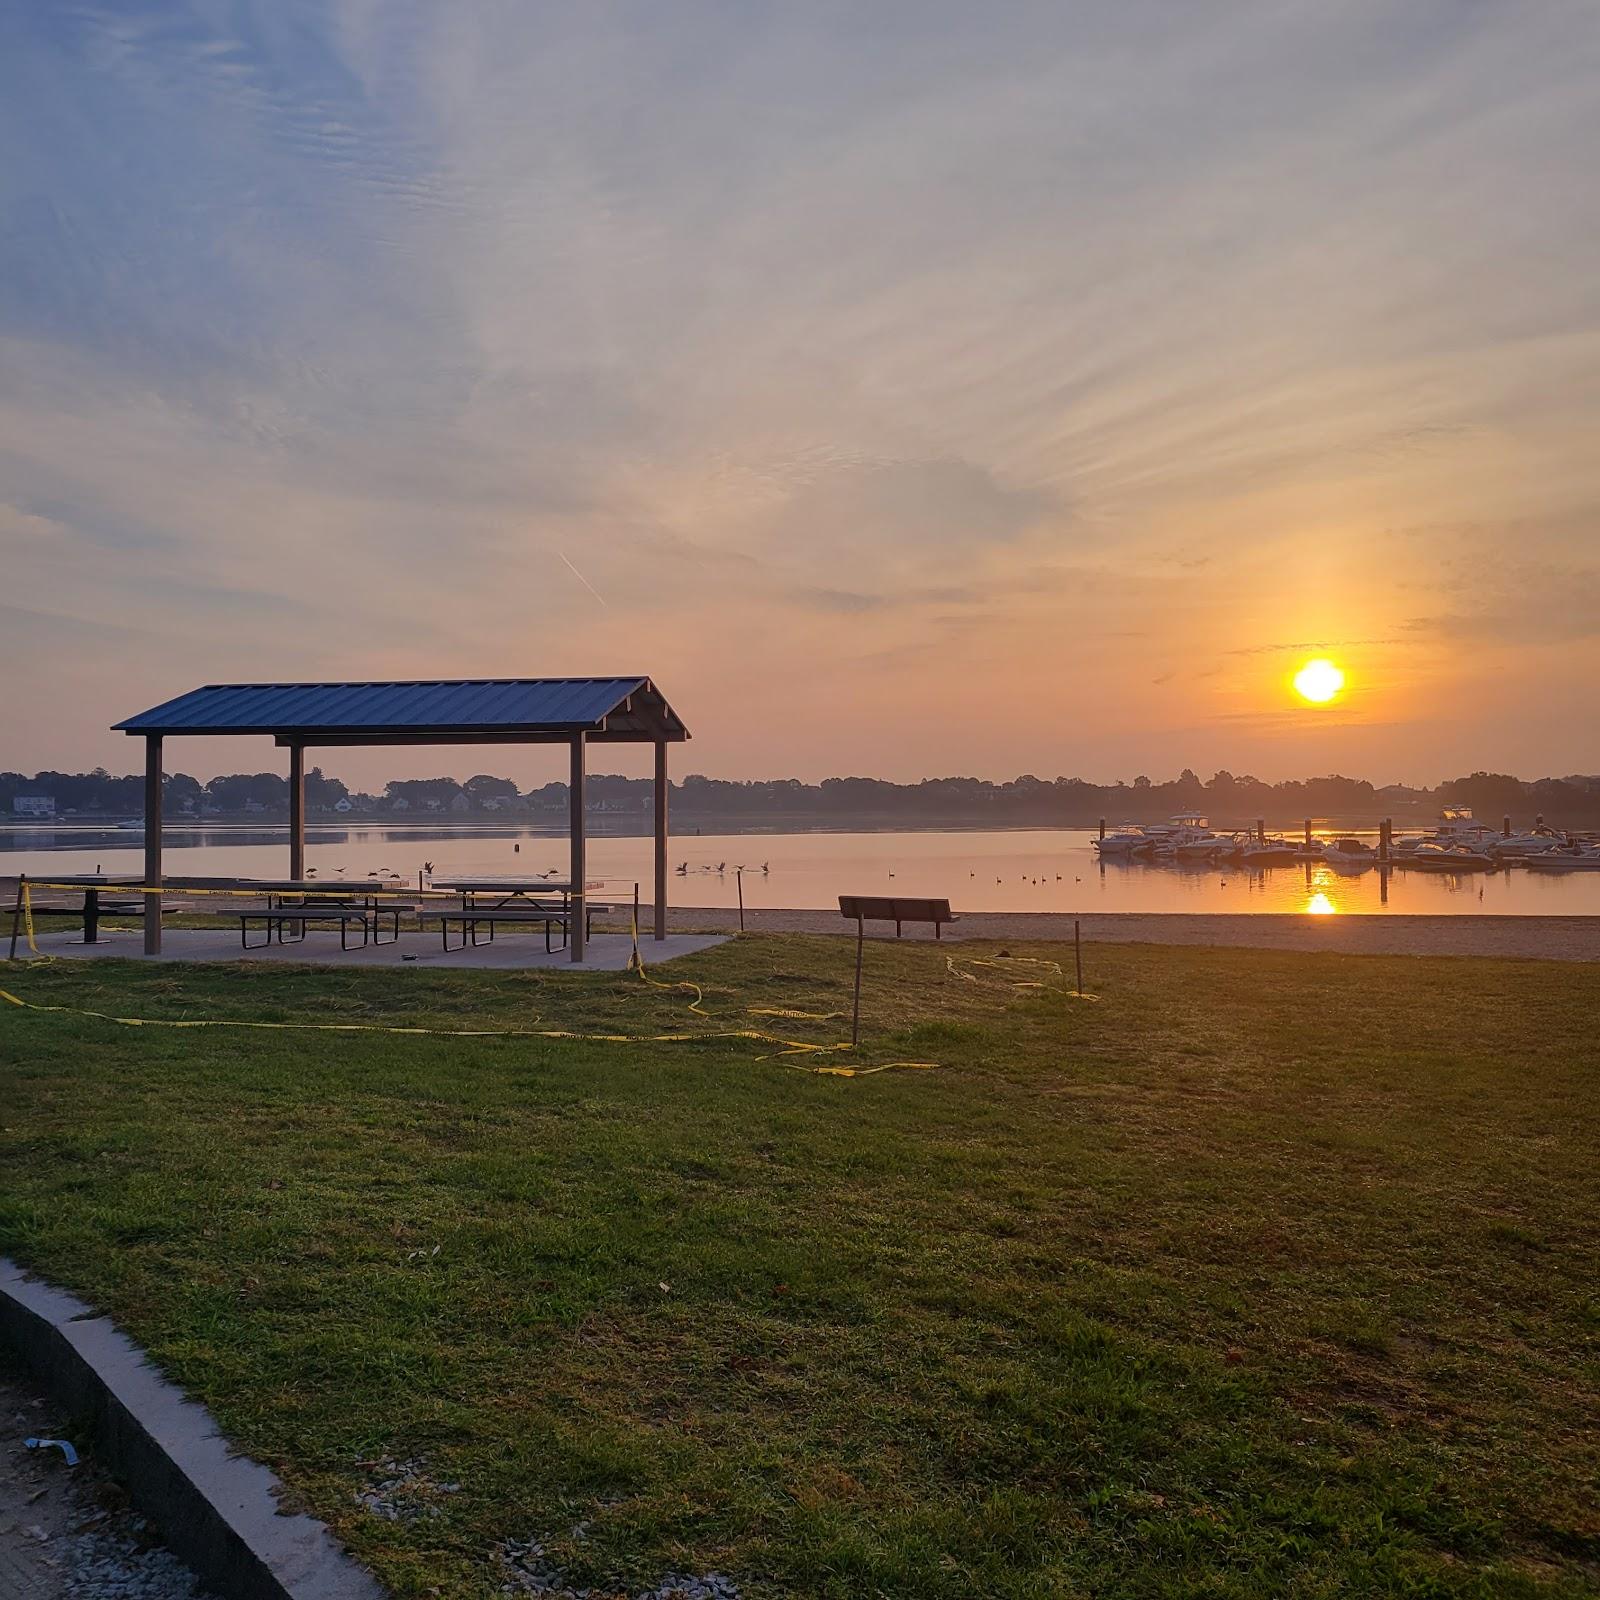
(908, 388)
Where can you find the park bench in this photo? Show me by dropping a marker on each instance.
(862, 908)
(896, 908)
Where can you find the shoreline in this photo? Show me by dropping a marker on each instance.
(1508, 937)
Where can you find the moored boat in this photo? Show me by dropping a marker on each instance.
(1438, 855)
(1270, 852)
(1128, 839)
(1566, 858)
(1348, 852)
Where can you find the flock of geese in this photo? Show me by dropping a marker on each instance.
(720, 869)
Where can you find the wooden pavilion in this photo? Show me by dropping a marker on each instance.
(576, 712)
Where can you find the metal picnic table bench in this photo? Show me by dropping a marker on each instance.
(302, 902)
(514, 902)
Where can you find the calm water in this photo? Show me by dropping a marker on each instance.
(1043, 870)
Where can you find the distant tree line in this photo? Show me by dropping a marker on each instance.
(1028, 800)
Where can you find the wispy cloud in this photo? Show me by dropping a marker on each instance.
(1086, 346)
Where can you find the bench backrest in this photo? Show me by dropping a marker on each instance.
(893, 908)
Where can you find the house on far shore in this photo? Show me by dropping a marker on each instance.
(342, 804)
(34, 805)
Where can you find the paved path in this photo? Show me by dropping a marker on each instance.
(1542, 938)
(65, 1532)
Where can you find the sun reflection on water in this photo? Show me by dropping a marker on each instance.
(1319, 905)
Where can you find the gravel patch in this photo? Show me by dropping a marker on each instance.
(525, 1569)
(66, 1533)
(403, 1491)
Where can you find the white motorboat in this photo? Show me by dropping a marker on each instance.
(1270, 852)
(1160, 840)
(1520, 846)
(1456, 825)
(1438, 855)
(1349, 853)
(1128, 839)
(1566, 858)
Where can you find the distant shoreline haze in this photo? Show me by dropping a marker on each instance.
(870, 802)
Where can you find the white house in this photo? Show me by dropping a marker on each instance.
(343, 804)
(34, 805)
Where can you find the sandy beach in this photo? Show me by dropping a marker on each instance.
(1539, 938)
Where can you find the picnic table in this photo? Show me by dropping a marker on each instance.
(92, 884)
(487, 902)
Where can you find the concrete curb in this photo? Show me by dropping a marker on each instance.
(216, 1509)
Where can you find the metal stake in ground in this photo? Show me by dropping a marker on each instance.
(738, 878)
(1077, 950)
(855, 1016)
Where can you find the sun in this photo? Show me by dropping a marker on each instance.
(1319, 682)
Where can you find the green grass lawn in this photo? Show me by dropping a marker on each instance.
(1262, 1275)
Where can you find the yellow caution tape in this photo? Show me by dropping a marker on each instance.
(789, 1046)
(1018, 985)
(357, 886)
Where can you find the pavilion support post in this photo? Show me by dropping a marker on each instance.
(297, 811)
(579, 898)
(661, 839)
(152, 843)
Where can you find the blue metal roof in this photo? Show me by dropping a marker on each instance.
(437, 706)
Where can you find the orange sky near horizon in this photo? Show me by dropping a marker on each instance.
(924, 393)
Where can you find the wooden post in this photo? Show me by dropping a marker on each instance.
(297, 811)
(661, 838)
(1505, 827)
(577, 903)
(152, 842)
(1385, 840)
(1308, 833)
(1261, 830)
(738, 876)
(855, 1018)
(16, 914)
(1102, 827)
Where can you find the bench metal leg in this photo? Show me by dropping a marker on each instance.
(244, 933)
